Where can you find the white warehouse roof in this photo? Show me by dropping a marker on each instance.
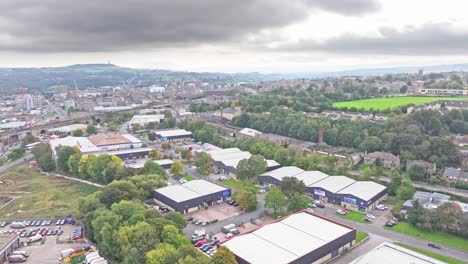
(333, 183)
(83, 143)
(145, 119)
(286, 240)
(311, 177)
(288, 171)
(190, 190)
(388, 253)
(365, 190)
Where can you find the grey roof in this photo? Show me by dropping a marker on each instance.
(173, 133)
(428, 200)
(455, 173)
(333, 184)
(190, 190)
(286, 240)
(288, 171)
(382, 155)
(365, 190)
(388, 253)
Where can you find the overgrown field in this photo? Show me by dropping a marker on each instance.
(38, 195)
(392, 102)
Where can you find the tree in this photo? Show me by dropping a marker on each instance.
(118, 191)
(74, 163)
(171, 235)
(275, 199)
(63, 155)
(152, 167)
(371, 144)
(297, 202)
(282, 156)
(163, 253)
(141, 236)
(155, 154)
(177, 168)
(91, 129)
(177, 218)
(186, 154)
(204, 163)
(417, 173)
(459, 127)
(89, 203)
(251, 168)
(78, 133)
(147, 183)
(28, 139)
(152, 136)
(129, 211)
(46, 163)
(246, 199)
(405, 191)
(223, 256)
(16, 154)
(291, 185)
(166, 145)
(394, 184)
(451, 218)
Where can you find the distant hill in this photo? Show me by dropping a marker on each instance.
(96, 75)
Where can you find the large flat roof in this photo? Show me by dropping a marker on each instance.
(286, 240)
(365, 190)
(69, 128)
(106, 139)
(146, 119)
(311, 177)
(388, 253)
(190, 190)
(84, 144)
(333, 183)
(288, 171)
(173, 133)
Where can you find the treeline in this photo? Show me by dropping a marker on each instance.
(413, 136)
(126, 232)
(448, 218)
(101, 169)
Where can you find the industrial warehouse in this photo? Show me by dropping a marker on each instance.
(354, 195)
(8, 244)
(191, 196)
(174, 135)
(388, 253)
(226, 160)
(300, 238)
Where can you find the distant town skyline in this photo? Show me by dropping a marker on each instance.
(266, 36)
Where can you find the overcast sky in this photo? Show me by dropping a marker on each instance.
(234, 36)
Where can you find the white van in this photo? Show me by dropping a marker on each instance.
(35, 238)
(20, 252)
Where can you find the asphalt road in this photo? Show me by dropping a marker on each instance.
(433, 188)
(16, 163)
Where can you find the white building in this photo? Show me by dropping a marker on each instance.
(143, 120)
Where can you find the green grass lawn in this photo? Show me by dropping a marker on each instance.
(437, 237)
(392, 102)
(356, 216)
(443, 258)
(360, 236)
(188, 177)
(41, 196)
(240, 185)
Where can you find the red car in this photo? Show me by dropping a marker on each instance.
(200, 243)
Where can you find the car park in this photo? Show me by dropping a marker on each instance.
(3, 224)
(200, 243)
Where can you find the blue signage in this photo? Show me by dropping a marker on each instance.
(164, 138)
(226, 193)
(349, 200)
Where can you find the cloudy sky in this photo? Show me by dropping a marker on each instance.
(234, 36)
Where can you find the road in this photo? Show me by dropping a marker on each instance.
(434, 188)
(16, 163)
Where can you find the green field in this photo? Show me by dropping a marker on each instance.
(443, 258)
(356, 216)
(392, 102)
(437, 237)
(39, 195)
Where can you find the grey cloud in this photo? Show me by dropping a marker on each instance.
(428, 39)
(347, 7)
(116, 25)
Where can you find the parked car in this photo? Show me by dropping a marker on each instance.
(189, 219)
(433, 245)
(207, 248)
(390, 223)
(234, 231)
(200, 243)
(58, 222)
(320, 205)
(262, 191)
(204, 246)
(370, 216)
(196, 239)
(16, 258)
(341, 212)
(367, 219)
(312, 205)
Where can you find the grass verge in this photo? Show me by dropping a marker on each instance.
(434, 236)
(40, 196)
(360, 236)
(241, 185)
(355, 216)
(443, 258)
